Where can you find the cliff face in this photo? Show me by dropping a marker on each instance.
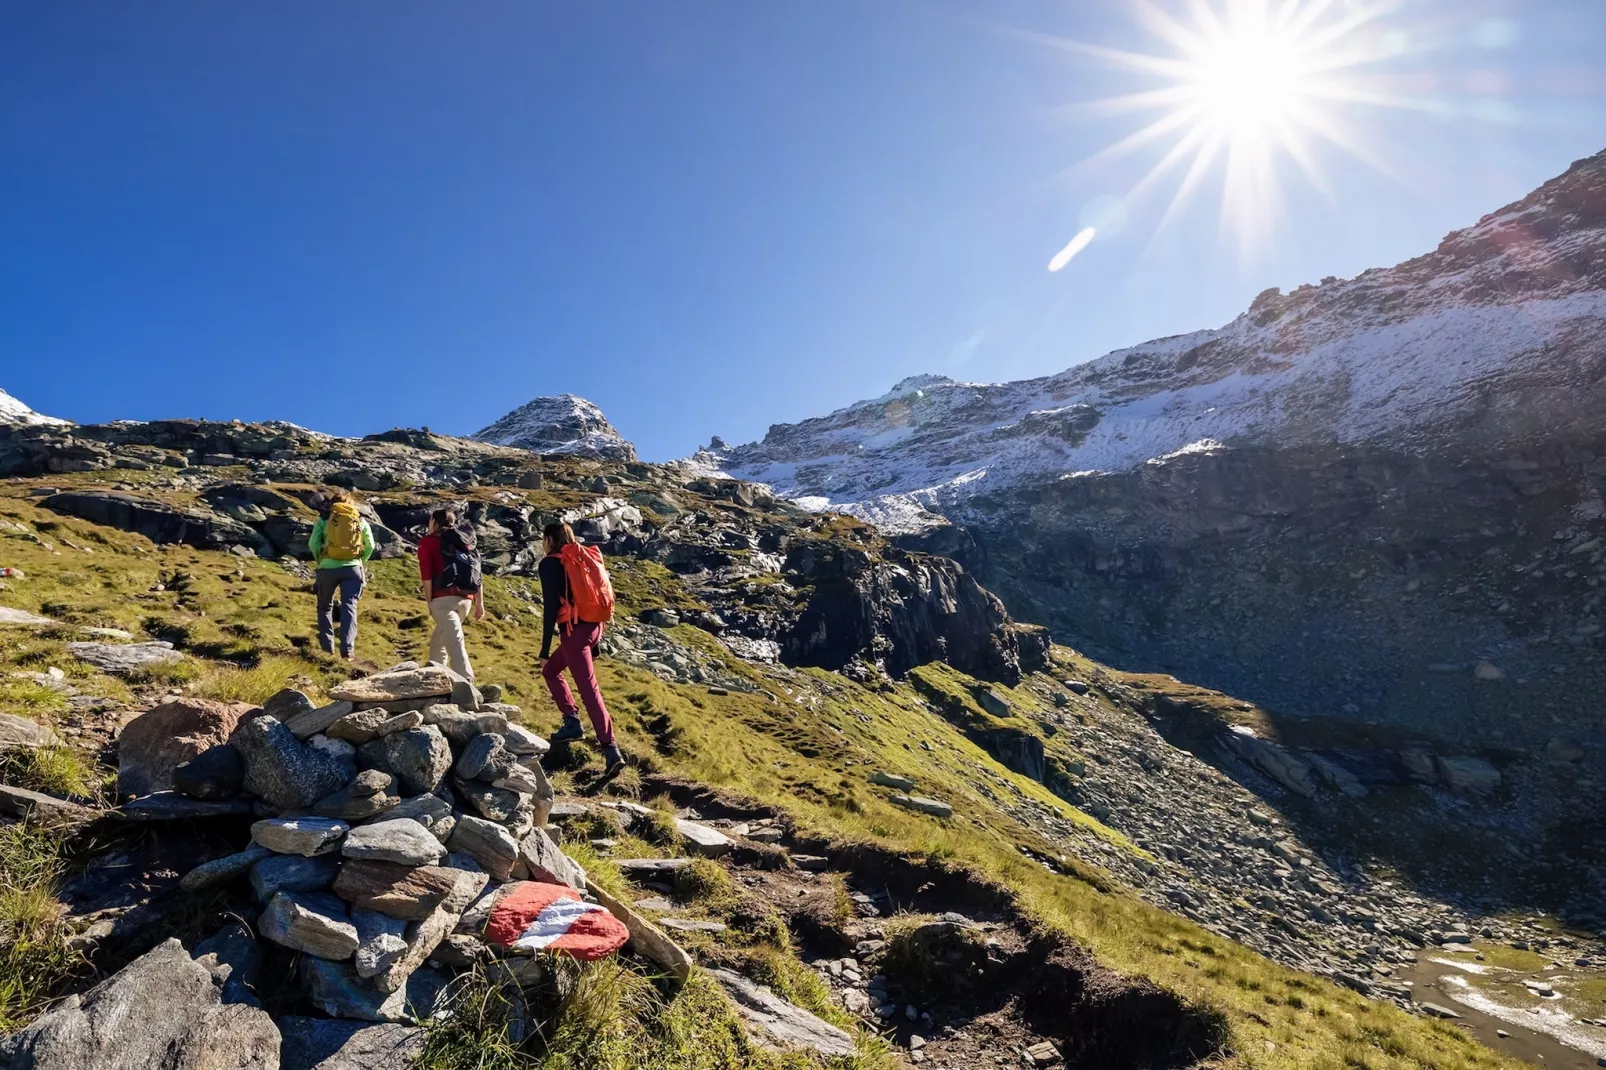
(1378, 498)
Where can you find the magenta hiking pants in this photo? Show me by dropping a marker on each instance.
(574, 653)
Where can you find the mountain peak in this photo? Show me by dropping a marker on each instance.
(14, 412)
(565, 423)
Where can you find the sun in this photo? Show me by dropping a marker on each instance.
(1246, 89)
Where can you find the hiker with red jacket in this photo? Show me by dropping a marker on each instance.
(577, 600)
(453, 588)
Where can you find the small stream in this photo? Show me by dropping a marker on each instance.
(1544, 1008)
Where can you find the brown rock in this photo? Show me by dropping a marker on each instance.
(408, 892)
(156, 741)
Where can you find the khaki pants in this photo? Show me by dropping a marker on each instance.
(446, 646)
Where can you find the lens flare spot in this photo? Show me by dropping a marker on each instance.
(1072, 247)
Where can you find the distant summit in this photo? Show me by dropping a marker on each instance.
(13, 412)
(564, 424)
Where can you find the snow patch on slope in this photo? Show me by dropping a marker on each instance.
(15, 412)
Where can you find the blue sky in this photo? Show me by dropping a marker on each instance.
(705, 216)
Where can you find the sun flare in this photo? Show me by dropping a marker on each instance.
(1244, 87)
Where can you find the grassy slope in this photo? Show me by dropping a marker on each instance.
(808, 752)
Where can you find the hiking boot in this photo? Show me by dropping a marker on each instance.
(613, 759)
(569, 731)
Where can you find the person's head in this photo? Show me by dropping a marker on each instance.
(556, 536)
(333, 497)
(441, 519)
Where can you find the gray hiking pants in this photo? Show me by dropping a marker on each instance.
(348, 583)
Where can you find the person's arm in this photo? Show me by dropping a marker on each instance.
(552, 581)
(316, 539)
(426, 565)
(478, 599)
(367, 540)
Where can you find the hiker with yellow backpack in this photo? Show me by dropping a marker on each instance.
(577, 600)
(340, 542)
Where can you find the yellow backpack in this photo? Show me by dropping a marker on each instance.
(342, 533)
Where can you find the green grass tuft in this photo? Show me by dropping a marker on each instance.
(35, 962)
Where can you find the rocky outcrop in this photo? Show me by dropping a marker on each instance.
(156, 521)
(564, 424)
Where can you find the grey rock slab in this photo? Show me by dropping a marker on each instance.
(300, 835)
(214, 775)
(692, 925)
(361, 726)
(540, 859)
(45, 809)
(648, 869)
(397, 840)
(407, 892)
(292, 873)
(702, 840)
(781, 1024)
(283, 770)
(221, 870)
(234, 958)
(336, 1044)
(921, 804)
(359, 799)
(424, 936)
(380, 941)
(520, 740)
(121, 659)
(487, 843)
(811, 863)
(431, 811)
(1468, 774)
(427, 681)
(496, 804)
(335, 988)
(182, 1023)
(312, 922)
(1434, 1010)
(461, 727)
(892, 780)
(649, 941)
(308, 724)
(419, 758)
(171, 806)
(23, 618)
(20, 733)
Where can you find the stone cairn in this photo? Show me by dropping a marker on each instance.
(389, 823)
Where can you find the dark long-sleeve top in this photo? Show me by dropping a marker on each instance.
(554, 590)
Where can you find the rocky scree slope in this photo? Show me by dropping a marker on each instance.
(1380, 498)
(774, 582)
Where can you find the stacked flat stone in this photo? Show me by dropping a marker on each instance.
(389, 822)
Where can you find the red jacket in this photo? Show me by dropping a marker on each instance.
(430, 563)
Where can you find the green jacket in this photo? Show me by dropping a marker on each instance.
(316, 540)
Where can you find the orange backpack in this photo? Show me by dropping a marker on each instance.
(590, 590)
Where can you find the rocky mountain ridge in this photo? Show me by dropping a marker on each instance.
(13, 411)
(564, 424)
(1377, 499)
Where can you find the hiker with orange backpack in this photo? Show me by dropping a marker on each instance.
(340, 542)
(577, 600)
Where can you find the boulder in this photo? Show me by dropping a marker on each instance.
(892, 780)
(460, 727)
(408, 892)
(484, 758)
(419, 758)
(496, 804)
(541, 860)
(702, 840)
(313, 922)
(310, 722)
(367, 795)
(182, 1023)
(396, 840)
(335, 988)
(213, 775)
(300, 835)
(521, 741)
(41, 808)
(380, 941)
(222, 870)
(427, 681)
(286, 704)
(1465, 773)
(431, 811)
(921, 804)
(19, 733)
(124, 659)
(281, 769)
(779, 1024)
(336, 1044)
(292, 873)
(361, 726)
(488, 843)
(154, 743)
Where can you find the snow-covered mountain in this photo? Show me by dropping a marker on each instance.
(1370, 498)
(14, 412)
(1494, 338)
(562, 424)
